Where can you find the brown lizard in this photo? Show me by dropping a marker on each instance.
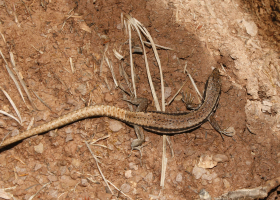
(158, 122)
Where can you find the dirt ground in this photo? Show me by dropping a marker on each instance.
(240, 38)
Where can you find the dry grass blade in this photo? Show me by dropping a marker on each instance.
(9, 115)
(103, 138)
(21, 81)
(158, 46)
(72, 65)
(131, 59)
(96, 160)
(196, 89)
(117, 54)
(12, 103)
(176, 93)
(3, 37)
(103, 57)
(147, 34)
(30, 198)
(119, 189)
(12, 76)
(42, 101)
(112, 71)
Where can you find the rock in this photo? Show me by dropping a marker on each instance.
(220, 158)
(115, 125)
(204, 195)
(251, 27)
(125, 188)
(198, 172)
(149, 177)
(52, 178)
(133, 166)
(76, 163)
(68, 138)
(39, 148)
(179, 177)
(128, 174)
(226, 183)
(167, 92)
(37, 166)
(207, 162)
(84, 182)
(15, 132)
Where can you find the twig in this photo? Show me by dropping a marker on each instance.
(96, 160)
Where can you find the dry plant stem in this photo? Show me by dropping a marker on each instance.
(12, 76)
(13, 104)
(118, 189)
(105, 180)
(21, 81)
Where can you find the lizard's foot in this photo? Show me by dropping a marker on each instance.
(188, 101)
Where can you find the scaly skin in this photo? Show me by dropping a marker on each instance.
(159, 122)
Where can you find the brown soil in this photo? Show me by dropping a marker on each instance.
(42, 41)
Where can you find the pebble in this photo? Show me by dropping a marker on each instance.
(198, 172)
(220, 158)
(204, 195)
(133, 166)
(251, 28)
(128, 174)
(39, 148)
(207, 162)
(149, 177)
(2, 123)
(115, 125)
(84, 182)
(226, 183)
(15, 132)
(179, 177)
(167, 92)
(37, 166)
(125, 188)
(76, 162)
(68, 138)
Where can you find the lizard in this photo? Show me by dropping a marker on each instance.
(162, 123)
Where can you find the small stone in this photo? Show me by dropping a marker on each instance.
(226, 183)
(251, 28)
(119, 26)
(53, 193)
(15, 132)
(115, 125)
(149, 177)
(206, 161)
(204, 195)
(69, 130)
(39, 148)
(76, 163)
(37, 166)
(125, 188)
(179, 177)
(198, 172)
(82, 88)
(167, 92)
(68, 138)
(133, 166)
(52, 178)
(84, 182)
(220, 158)
(128, 174)
(53, 134)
